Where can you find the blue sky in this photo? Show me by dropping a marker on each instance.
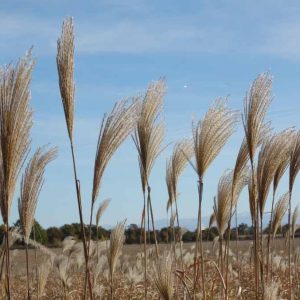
(205, 49)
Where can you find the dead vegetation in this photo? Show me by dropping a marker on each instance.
(100, 269)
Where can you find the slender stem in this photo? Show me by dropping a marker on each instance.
(227, 245)
(257, 263)
(36, 264)
(148, 219)
(2, 263)
(180, 239)
(111, 287)
(79, 202)
(152, 220)
(172, 244)
(27, 272)
(289, 246)
(221, 261)
(7, 260)
(262, 255)
(237, 241)
(89, 243)
(269, 236)
(145, 247)
(199, 243)
(97, 242)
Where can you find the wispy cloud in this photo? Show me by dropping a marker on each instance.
(152, 36)
(19, 32)
(144, 34)
(282, 40)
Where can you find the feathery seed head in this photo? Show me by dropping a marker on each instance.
(102, 207)
(31, 185)
(114, 130)
(163, 276)
(270, 156)
(279, 212)
(182, 152)
(294, 161)
(149, 132)
(222, 207)
(65, 67)
(117, 239)
(256, 103)
(211, 134)
(15, 125)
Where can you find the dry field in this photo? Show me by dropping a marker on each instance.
(130, 286)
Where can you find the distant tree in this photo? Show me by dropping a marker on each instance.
(243, 229)
(132, 234)
(55, 236)
(165, 234)
(189, 236)
(284, 229)
(38, 232)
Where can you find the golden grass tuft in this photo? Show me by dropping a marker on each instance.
(102, 207)
(114, 130)
(256, 103)
(65, 66)
(273, 151)
(222, 206)
(163, 276)
(31, 185)
(149, 133)
(211, 134)
(182, 152)
(279, 212)
(15, 125)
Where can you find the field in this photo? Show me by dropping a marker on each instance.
(126, 289)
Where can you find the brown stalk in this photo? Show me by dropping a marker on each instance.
(273, 150)
(148, 138)
(222, 207)
(282, 166)
(31, 185)
(209, 137)
(65, 67)
(294, 169)
(175, 166)
(256, 104)
(117, 239)
(115, 128)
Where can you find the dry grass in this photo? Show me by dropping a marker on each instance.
(31, 185)
(107, 269)
(130, 253)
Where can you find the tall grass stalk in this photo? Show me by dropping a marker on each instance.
(209, 137)
(117, 239)
(282, 166)
(65, 66)
(31, 185)
(148, 138)
(294, 169)
(183, 151)
(15, 125)
(256, 104)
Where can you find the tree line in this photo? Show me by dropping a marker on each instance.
(53, 236)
